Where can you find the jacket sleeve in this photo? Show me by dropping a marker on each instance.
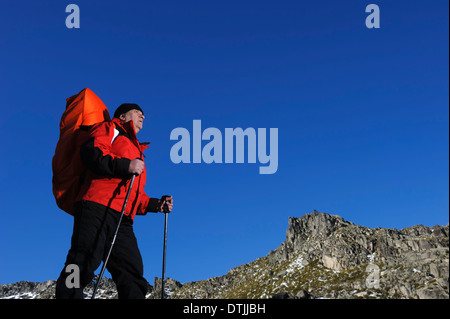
(96, 153)
(148, 204)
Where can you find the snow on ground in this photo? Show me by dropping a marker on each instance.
(296, 264)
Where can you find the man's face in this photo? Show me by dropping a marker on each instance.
(136, 116)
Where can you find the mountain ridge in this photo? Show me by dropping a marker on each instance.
(323, 256)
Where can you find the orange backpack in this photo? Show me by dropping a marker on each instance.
(82, 111)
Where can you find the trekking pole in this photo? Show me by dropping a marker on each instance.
(115, 235)
(166, 212)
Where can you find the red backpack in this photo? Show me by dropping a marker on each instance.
(82, 111)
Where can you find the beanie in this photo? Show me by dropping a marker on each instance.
(124, 108)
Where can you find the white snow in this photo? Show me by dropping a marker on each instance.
(26, 295)
(371, 257)
(296, 264)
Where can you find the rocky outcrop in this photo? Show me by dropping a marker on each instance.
(106, 289)
(46, 290)
(28, 290)
(342, 245)
(170, 286)
(323, 256)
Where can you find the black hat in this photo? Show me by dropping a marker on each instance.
(124, 108)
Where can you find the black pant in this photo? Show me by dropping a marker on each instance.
(93, 231)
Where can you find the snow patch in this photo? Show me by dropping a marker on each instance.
(296, 264)
(371, 258)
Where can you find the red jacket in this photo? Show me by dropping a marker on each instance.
(107, 155)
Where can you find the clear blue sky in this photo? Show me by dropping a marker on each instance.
(362, 116)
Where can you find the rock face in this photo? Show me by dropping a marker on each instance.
(106, 289)
(323, 256)
(46, 290)
(28, 290)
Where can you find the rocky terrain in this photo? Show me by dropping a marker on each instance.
(323, 256)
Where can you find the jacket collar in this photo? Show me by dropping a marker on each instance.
(128, 127)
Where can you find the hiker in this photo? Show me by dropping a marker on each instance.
(112, 154)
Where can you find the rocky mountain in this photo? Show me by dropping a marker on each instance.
(46, 290)
(323, 256)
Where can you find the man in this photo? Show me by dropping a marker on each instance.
(112, 155)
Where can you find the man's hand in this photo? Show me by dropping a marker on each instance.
(165, 204)
(136, 166)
